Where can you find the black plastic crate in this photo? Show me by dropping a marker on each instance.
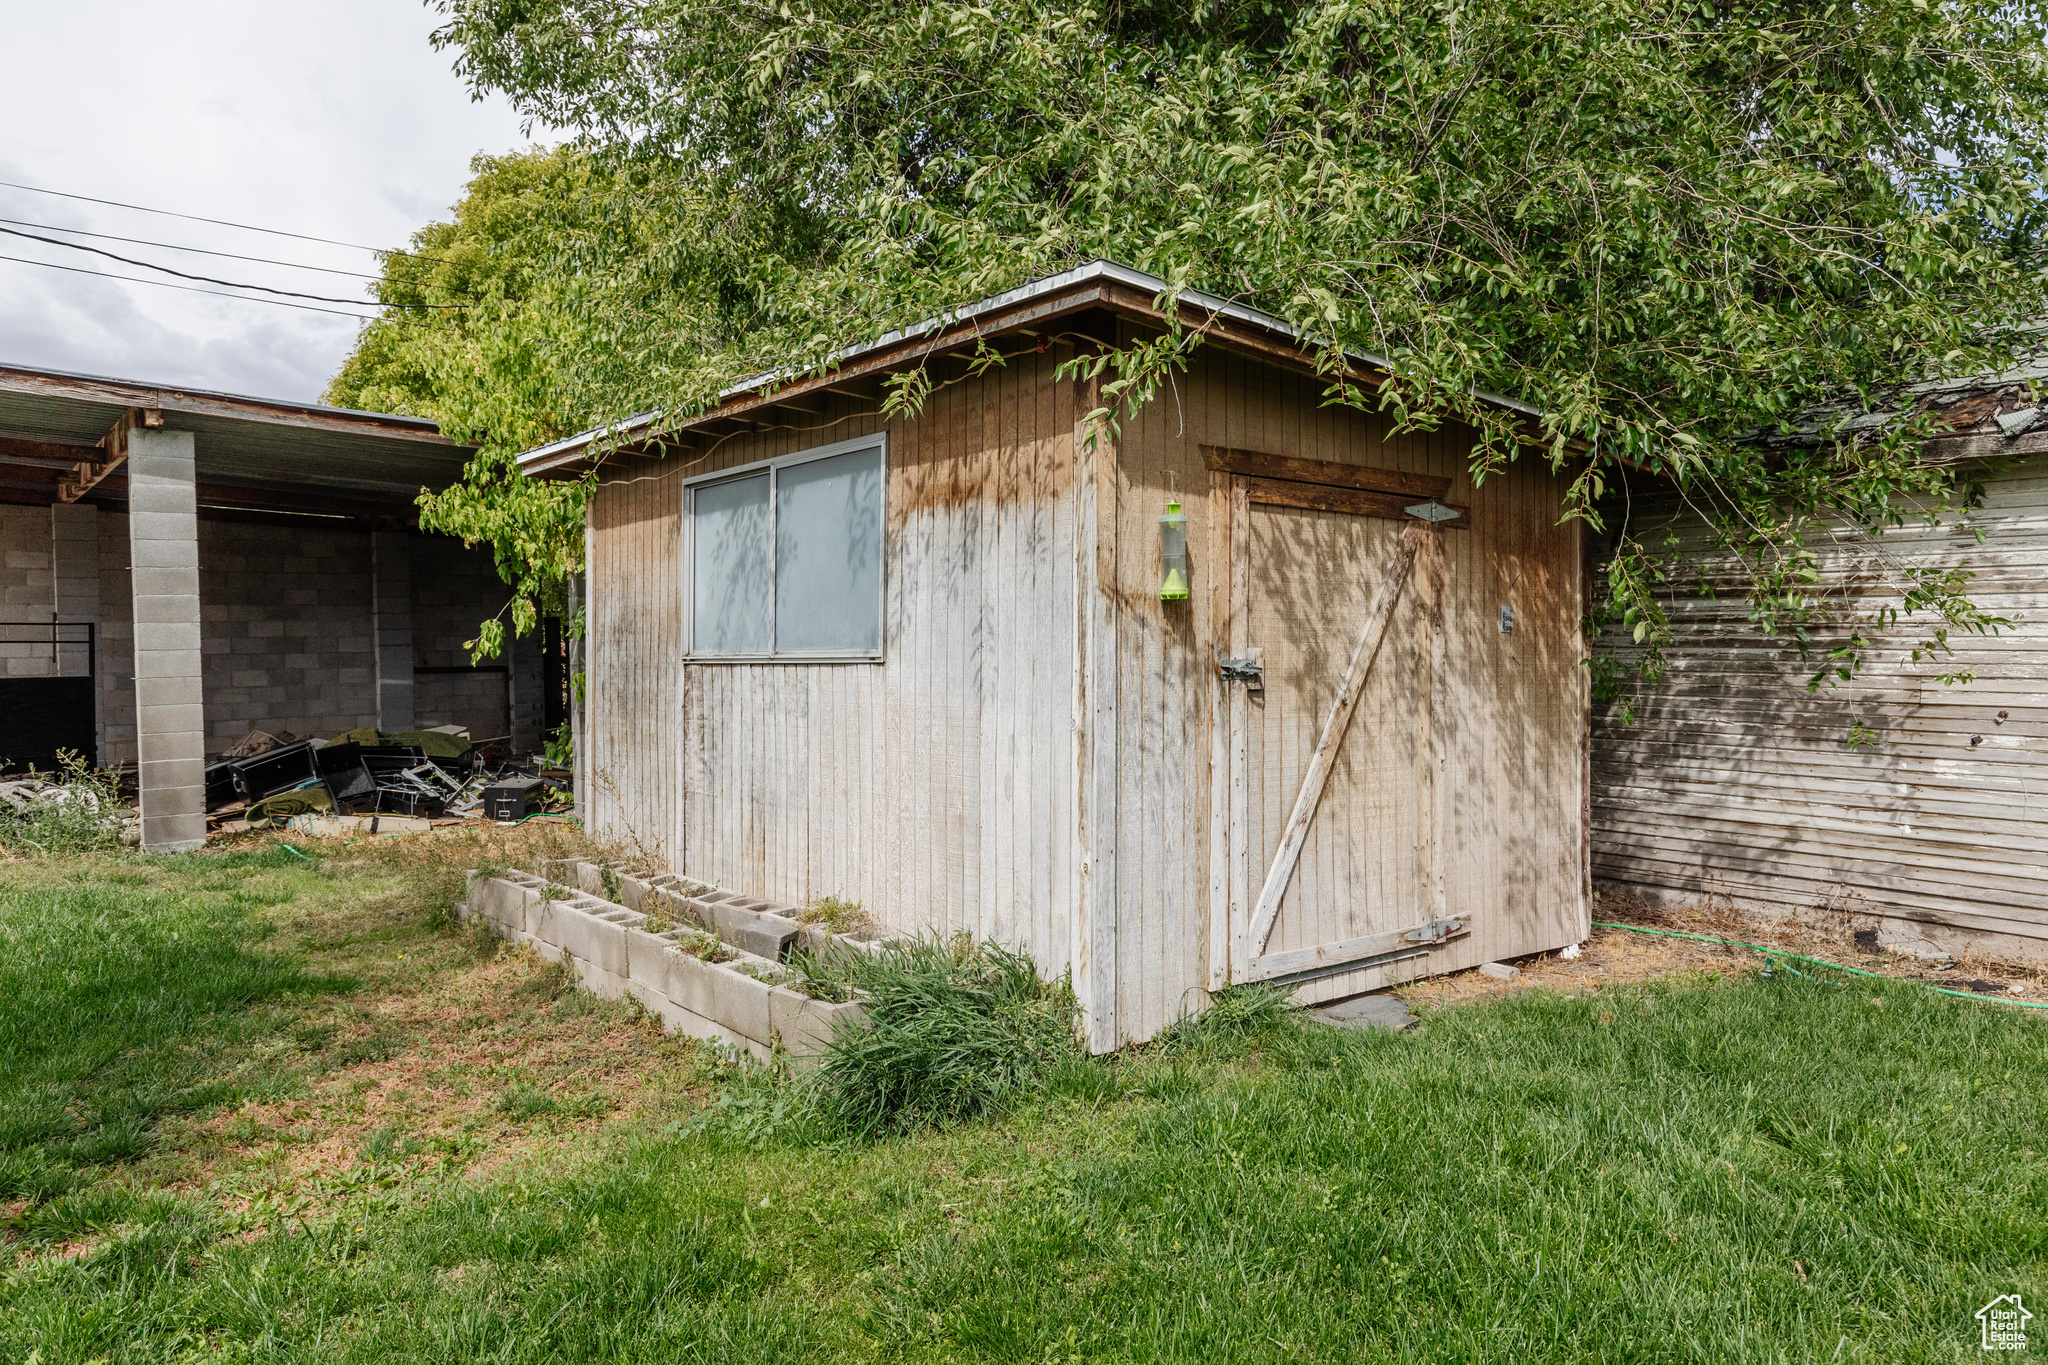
(276, 770)
(349, 779)
(513, 799)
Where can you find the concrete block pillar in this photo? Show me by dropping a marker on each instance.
(391, 592)
(75, 572)
(170, 715)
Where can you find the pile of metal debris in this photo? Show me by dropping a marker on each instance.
(433, 773)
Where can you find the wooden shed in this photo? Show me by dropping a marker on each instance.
(925, 664)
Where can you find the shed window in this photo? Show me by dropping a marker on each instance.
(786, 559)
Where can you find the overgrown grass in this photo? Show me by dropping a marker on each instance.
(114, 1002)
(956, 1030)
(1708, 1169)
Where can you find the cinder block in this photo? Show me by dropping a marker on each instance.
(166, 608)
(167, 663)
(686, 980)
(172, 718)
(165, 581)
(597, 941)
(1499, 970)
(154, 749)
(606, 985)
(806, 1026)
(738, 1001)
(766, 937)
(172, 523)
(167, 636)
(174, 833)
(166, 554)
(186, 691)
(166, 778)
(647, 958)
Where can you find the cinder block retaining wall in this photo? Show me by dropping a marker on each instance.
(613, 954)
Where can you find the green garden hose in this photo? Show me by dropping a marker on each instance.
(1772, 954)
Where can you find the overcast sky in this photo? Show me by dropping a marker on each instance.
(331, 118)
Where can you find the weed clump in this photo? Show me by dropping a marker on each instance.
(837, 915)
(809, 975)
(81, 813)
(1239, 1019)
(957, 1030)
(705, 947)
(523, 1103)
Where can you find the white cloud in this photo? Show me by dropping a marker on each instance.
(332, 118)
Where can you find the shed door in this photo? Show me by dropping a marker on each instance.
(1360, 890)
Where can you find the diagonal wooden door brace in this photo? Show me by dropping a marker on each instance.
(1334, 728)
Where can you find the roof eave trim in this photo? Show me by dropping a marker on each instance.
(556, 454)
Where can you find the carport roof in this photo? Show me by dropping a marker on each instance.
(324, 457)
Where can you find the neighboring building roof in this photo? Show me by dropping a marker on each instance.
(1980, 417)
(1096, 284)
(51, 420)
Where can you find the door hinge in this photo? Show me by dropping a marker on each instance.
(1435, 932)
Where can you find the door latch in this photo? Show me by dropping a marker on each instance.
(1250, 672)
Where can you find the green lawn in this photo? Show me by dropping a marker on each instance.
(1709, 1169)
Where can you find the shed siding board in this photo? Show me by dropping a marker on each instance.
(635, 630)
(1034, 682)
(1736, 781)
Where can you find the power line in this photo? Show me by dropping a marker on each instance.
(217, 222)
(166, 284)
(196, 250)
(208, 279)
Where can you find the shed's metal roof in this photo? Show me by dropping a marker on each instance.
(1098, 270)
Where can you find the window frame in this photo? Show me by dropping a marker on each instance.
(879, 443)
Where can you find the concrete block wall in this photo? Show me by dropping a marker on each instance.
(75, 566)
(27, 588)
(454, 591)
(289, 630)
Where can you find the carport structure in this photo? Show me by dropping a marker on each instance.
(273, 573)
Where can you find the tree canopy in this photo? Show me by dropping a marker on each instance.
(1669, 226)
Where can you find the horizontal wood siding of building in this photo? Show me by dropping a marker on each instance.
(1893, 795)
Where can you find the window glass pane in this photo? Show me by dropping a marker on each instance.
(828, 553)
(730, 567)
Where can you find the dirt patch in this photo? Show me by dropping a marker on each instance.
(441, 1052)
(1613, 956)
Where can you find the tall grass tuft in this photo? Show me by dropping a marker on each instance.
(957, 1030)
(1239, 1019)
(81, 814)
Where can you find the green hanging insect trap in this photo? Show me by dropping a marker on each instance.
(1173, 555)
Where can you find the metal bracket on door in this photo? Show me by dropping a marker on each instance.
(1251, 672)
